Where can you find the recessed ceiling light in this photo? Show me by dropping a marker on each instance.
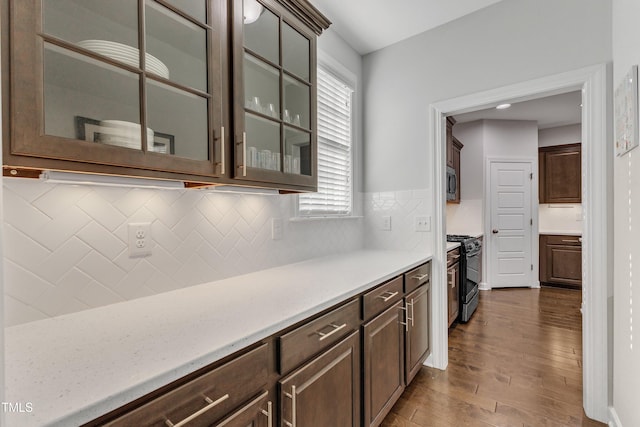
(503, 106)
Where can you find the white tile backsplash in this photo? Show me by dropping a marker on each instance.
(66, 246)
(402, 207)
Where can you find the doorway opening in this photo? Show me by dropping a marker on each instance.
(596, 174)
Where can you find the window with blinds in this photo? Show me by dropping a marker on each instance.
(334, 196)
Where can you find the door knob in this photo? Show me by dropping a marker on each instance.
(494, 231)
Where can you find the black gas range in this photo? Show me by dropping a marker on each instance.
(471, 251)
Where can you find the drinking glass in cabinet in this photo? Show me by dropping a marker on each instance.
(295, 52)
(261, 86)
(179, 120)
(80, 93)
(261, 31)
(297, 102)
(263, 141)
(177, 44)
(298, 156)
(78, 20)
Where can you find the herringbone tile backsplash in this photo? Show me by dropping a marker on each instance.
(66, 246)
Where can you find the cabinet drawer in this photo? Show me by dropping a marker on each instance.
(564, 240)
(416, 277)
(453, 256)
(220, 390)
(311, 338)
(375, 301)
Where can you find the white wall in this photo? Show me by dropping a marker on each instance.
(626, 288)
(65, 246)
(560, 135)
(484, 139)
(509, 42)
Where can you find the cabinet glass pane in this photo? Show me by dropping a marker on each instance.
(176, 47)
(261, 32)
(90, 100)
(296, 103)
(195, 8)
(297, 151)
(295, 52)
(263, 143)
(178, 120)
(78, 20)
(261, 87)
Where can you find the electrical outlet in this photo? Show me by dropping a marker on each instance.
(139, 239)
(386, 223)
(276, 228)
(423, 223)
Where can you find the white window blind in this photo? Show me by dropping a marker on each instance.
(334, 196)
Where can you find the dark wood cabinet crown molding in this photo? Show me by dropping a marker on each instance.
(307, 13)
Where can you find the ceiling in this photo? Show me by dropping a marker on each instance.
(369, 25)
(549, 112)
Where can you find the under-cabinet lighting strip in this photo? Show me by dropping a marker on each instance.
(56, 177)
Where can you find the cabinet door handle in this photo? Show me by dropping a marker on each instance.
(421, 277)
(412, 313)
(244, 153)
(291, 396)
(571, 241)
(388, 296)
(455, 257)
(223, 165)
(406, 316)
(335, 327)
(211, 404)
(268, 413)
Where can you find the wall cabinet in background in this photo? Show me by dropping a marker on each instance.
(454, 147)
(560, 174)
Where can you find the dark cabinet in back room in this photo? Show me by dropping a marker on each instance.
(560, 174)
(561, 260)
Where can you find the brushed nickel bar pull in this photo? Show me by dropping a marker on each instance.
(335, 327)
(421, 277)
(223, 166)
(571, 241)
(455, 257)
(292, 396)
(406, 316)
(244, 153)
(229, 421)
(268, 413)
(412, 313)
(388, 296)
(195, 415)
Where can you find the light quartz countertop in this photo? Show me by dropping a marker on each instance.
(452, 245)
(77, 367)
(561, 233)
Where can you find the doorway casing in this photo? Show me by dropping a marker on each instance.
(597, 159)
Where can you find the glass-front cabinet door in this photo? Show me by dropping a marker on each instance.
(275, 95)
(123, 85)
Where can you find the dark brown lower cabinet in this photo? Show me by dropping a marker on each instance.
(561, 260)
(326, 390)
(417, 333)
(383, 350)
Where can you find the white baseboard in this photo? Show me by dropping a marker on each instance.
(614, 421)
(484, 286)
(536, 285)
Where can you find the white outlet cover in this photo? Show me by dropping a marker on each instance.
(386, 223)
(276, 228)
(139, 239)
(423, 223)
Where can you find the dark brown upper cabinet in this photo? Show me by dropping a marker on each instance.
(274, 83)
(454, 147)
(143, 88)
(560, 173)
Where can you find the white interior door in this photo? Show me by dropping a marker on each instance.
(510, 251)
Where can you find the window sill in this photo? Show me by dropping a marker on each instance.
(322, 218)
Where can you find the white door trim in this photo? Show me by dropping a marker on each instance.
(597, 194)
(486, 265)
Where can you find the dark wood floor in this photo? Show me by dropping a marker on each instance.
(518, 362)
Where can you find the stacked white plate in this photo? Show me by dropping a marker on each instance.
(124, 134)
(127, 54)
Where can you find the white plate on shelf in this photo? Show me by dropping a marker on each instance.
(127, 54)
(123, 134)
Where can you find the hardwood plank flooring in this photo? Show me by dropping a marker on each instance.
(518, 362)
